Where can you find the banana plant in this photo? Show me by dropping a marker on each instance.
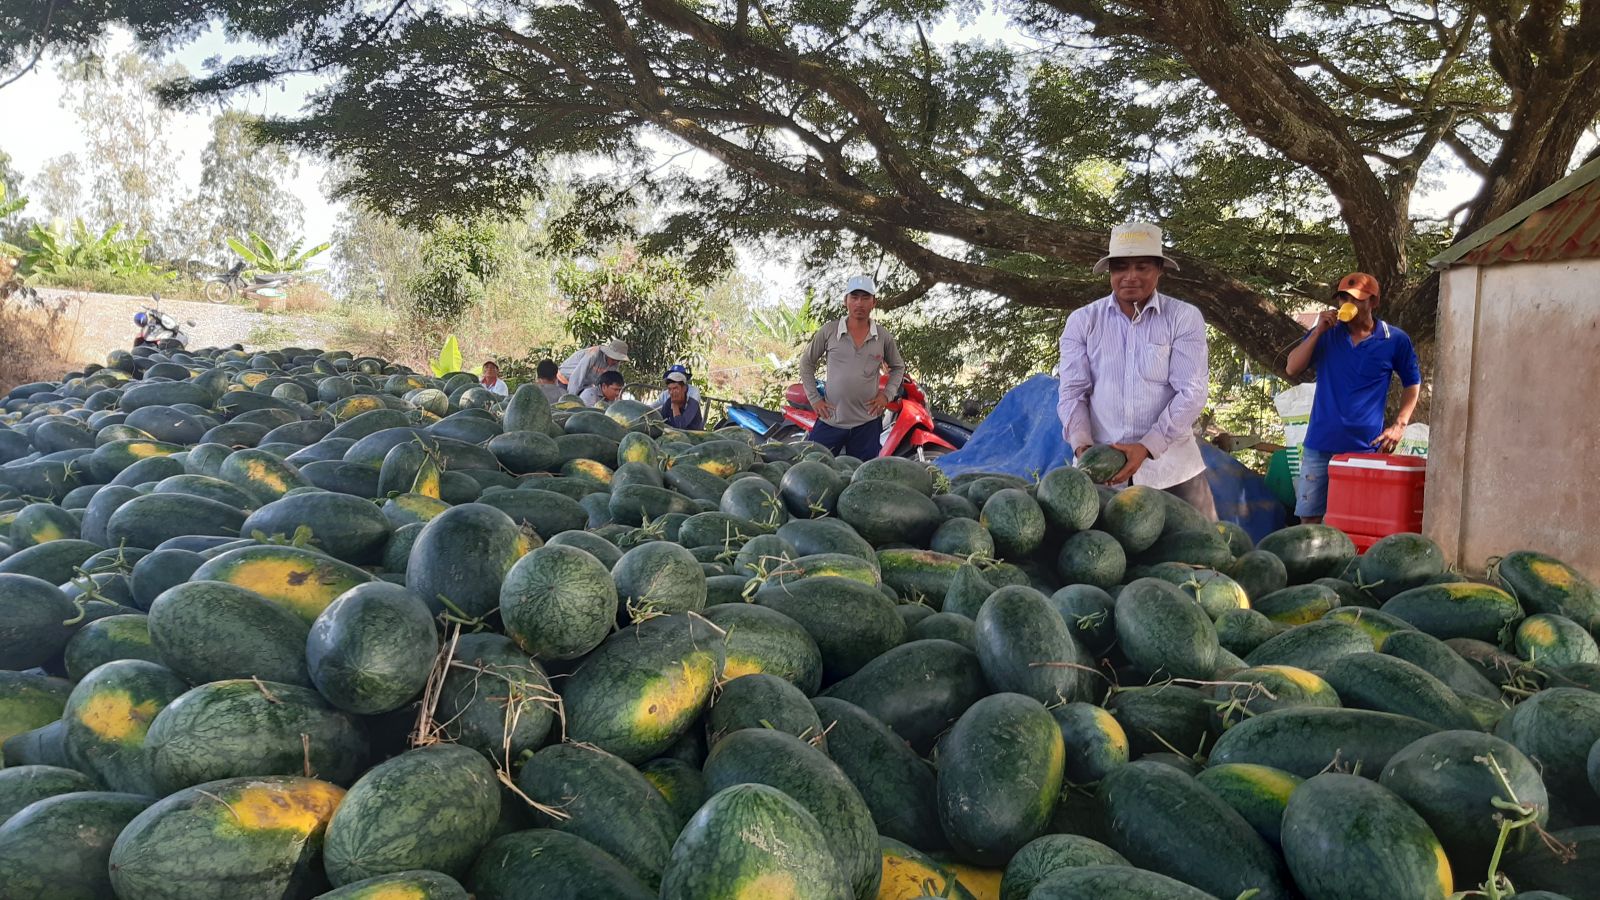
(261, 256)
(450, 360)
(788, 326)
(79, 249)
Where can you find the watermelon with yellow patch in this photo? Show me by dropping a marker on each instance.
(262, 475)
(909, 874)
(300, 580)
(1544, 584)
(110, 458)
(107, 717)
(1457, 610)
(243, 838)
(1007, 749)
(404, 509)
(759, 640)
(30, 700)
(353, 406)
(1346, 837)
(1258, 793)
(1552, 641)
(644, 686)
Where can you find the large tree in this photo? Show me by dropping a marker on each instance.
(1280, 142)
(244, 187)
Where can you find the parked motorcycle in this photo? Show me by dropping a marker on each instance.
(159, 329)
(910, 429)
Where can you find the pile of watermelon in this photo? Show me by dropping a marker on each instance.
(299, 624)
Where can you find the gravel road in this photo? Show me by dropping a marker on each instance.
(104, 322)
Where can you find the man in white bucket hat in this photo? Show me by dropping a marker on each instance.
(582, 370)
(1134, 371)
(854, 348)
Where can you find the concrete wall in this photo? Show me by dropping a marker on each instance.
(1514, 436)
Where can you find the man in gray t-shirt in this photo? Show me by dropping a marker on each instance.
(582, 370)
(856, 349)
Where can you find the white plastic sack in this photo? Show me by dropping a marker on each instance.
(1414, 442)
(1294, 411)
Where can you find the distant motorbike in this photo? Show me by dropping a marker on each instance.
(159, 329)
(910, 429)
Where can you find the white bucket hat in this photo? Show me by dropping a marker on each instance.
(860, 283)
(616, 349)
(1134, 239)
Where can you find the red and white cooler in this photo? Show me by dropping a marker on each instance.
(1374, 495)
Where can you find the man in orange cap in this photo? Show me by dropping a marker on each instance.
(1354, 361)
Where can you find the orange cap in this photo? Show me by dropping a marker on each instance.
(1359, 285)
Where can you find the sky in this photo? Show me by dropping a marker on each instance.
(36, 99)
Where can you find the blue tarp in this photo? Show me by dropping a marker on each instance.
(1022, 437)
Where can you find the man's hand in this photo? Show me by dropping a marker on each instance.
(1078, 452)
(1327, 319)
(823, 409)
(1137, 454)
(878, 404)
(1390, 438)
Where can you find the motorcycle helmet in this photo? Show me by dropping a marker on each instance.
(140, 319)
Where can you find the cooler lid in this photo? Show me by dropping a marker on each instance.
(1390, 461)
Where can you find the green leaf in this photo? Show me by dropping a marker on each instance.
(449, 358)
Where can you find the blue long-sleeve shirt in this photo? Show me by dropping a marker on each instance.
(691, 419)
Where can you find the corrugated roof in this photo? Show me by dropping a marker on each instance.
(1560, 222)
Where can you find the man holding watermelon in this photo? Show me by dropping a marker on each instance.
(1355, 354)
(855, 349)
(1134, 372)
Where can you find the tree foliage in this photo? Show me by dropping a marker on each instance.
(460, 256)
(648, 301)
(1280, 143)
(243, 186)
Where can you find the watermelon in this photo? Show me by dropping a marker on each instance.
(1101, 463)
(815, 783)
(1093, 558)
(657, 577)
(753, 840)
(30, 700)
(37, 523)
(1398, 563)
(1440, 661)
(1453, 778)
(1389, 684)
(125, 636)
(461, 557)
(494, 698)
(23, 785)
(909, 874)
(887, 511)
(897, 786)
(1094, 740)
(347, 528)
(1015, 521)
(917, 688)
(1256, 793)
(852, 623)
(1045, 856)
(1165, 821)
(605, 801)
(546, 863)
(1457, 610)
(1349, 838)
(681, 784)
(1306, 740)
(302, 581)
(229, 729)
(763, 701)
(107, 717)
(1555, 728)
(1297, 605)
(371, 650)
(379, 829)
(255, 837)
(644, 686)
(1007, 749)
(812, 536)
(59, 846)
(761, 640)
(1259, 572)
(1161, 630)
(1312, 646)
(212, 630)
(810, 489)
(1024, 646)
(1262, 689)
(1554, 641)
(560, 602)
(966, 538)
(1309, 551)
(1543, 584)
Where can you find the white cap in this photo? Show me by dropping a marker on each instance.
(860, 283)
(1134, 239)
(677, 376)
(616, 349)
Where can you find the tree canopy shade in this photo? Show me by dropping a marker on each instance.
(1280, 143)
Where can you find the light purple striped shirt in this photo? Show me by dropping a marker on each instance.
(1137, 381)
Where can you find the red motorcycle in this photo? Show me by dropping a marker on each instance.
(912, 429)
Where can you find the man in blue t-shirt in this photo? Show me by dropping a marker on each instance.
(1354, 360)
